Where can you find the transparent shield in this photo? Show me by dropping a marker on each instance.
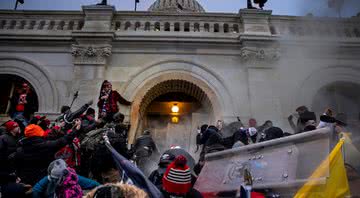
(283, 164)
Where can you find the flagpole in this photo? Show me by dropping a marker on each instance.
(16, 5)
(135, 4)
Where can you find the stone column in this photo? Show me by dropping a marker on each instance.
(91, 52)
(255, 22)
(264, 100)
(260, 54)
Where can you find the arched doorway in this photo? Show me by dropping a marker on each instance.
(342, 97)
(160, 71)
(177, 126)
(11, 87)
(37, 76)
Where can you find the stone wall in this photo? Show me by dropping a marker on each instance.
(250, 64)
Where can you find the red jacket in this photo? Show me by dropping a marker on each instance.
(70, 153)
(110, 105)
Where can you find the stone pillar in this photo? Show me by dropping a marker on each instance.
(255, 22)
(264, 100)
(91, 51)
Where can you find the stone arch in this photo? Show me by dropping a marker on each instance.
(154, 74)
(341, 96)
(323, 77)
(37, 76)
(175, 85)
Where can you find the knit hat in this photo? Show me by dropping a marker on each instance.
(10, 125)
(177, 178)
(57, 169)
(34, 130)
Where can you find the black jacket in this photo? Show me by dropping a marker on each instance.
(35, 154)
(69, 116)
(7, 146)
(145, 141)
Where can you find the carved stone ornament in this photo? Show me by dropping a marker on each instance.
(90, 54)
(258, 54)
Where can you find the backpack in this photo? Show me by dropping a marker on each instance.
(69, 187)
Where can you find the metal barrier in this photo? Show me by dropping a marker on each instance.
(282, 164)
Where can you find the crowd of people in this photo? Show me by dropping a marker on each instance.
(69, 157)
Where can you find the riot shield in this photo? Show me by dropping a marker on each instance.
(283, 164)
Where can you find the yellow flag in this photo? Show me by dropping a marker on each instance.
(336, 184)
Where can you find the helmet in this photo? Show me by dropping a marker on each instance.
(166, 158)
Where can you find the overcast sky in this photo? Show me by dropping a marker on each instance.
(281, 7)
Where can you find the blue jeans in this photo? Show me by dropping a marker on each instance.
(20, 116)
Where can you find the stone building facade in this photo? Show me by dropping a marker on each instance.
(249, 64)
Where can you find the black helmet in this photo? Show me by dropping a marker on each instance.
(166, 159)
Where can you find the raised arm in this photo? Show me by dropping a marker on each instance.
(121, 99)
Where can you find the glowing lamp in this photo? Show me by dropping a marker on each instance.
(175, 108)
(175, 119)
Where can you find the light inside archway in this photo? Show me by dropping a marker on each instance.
(175, 119)
(175, 108)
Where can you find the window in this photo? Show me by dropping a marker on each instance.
(167, 27)
(22, 25)
(51, 25)
(12, 24)
(127, 25)
(157, 27)
(41, 25)
(187, 27)
(137, 26)
(71, 25)
(80, 25)
(216, 27)
(147, 26)
(196, 27)
(61, 25)
(226, 28)
(177, 27)
(117, 25)
(206, 27)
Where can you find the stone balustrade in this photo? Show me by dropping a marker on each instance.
(204, 23)
(40, 21)
(209, 24)
(310, 26)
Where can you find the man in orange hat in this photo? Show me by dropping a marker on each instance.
(35, 152)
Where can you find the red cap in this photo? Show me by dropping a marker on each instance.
(10, 125)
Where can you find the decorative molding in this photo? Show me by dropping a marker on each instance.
(91, 54)
(259, 54)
